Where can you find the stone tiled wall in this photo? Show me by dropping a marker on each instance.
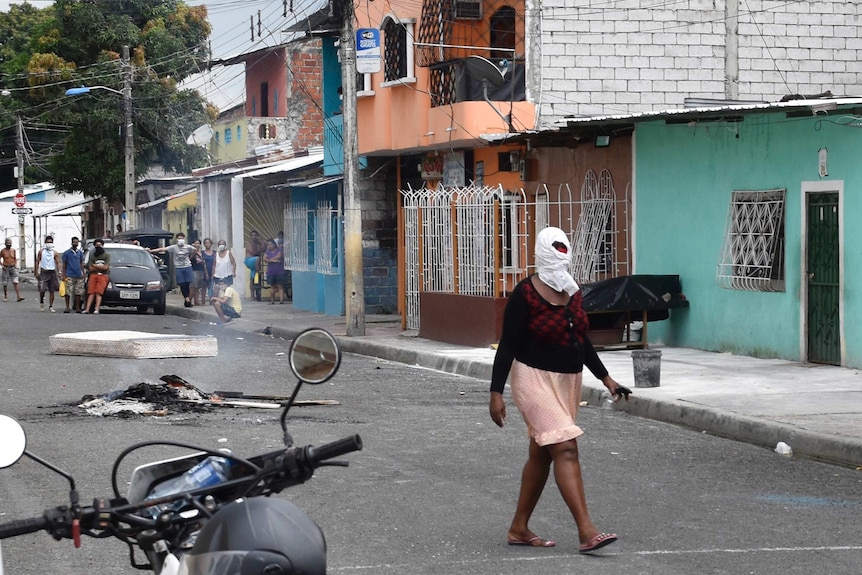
(614, 57)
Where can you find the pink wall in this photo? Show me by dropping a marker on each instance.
(270, 68)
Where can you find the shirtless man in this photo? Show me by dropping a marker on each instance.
(10, 269)
(254, 247)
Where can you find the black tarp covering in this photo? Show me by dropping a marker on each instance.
(655, 294)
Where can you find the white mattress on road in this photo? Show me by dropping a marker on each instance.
(133, 344)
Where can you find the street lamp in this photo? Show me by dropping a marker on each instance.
(126, 93)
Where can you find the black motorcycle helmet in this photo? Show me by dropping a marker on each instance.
(258, 536)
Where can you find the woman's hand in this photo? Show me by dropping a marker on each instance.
(497, 407)
(617, 390)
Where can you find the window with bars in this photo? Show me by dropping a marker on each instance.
(299, 244)
(397, 50)
(327, 238)
(752, 257)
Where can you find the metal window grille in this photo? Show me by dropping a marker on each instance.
(298, 255)
(394, 50)
(443, 80)
(593, 244)
(327, 239)
(752, 257)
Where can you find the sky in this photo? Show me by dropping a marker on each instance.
(231, 35)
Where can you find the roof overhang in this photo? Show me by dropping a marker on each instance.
(285, 166)
(574, 130)
(70, 208)
(166, 198)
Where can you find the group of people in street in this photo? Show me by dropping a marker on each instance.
(203, 272)
(53, 268)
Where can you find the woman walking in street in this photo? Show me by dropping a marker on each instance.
(545, 346)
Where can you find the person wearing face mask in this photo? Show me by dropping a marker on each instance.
(9, 261)
(73, 275)
(224, 268)
(544, 348)
(99, 268)
(181, 254)
(48, 269)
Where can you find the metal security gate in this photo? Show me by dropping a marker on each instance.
(823, 267)
(478, 240)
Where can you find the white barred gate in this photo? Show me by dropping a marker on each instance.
(478, 240)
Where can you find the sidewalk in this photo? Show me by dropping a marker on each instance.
(816, 409)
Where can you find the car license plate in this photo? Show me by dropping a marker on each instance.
(128, 294)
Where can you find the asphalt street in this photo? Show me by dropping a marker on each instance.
(434, 488)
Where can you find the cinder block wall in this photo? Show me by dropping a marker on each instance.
(596, 58)
(379, 202)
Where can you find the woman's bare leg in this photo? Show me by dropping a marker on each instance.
(567, 473)
(533, 479)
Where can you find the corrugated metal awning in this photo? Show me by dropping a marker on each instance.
(69, 206)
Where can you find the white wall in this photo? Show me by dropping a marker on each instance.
(598, 58)
(62, 228)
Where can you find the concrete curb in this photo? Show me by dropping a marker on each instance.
(723, 423)
(819, 446)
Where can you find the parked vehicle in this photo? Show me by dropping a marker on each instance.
(208, 513)
(135, 279)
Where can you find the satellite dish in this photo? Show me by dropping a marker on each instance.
(201, 136)
(485, 70)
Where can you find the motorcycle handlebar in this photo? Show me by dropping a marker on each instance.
(342, 446)
(24, 526)
(313, 457)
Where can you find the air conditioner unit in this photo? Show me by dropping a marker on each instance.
(468, 9)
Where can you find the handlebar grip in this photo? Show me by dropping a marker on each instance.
(339, 447)
(23, 526)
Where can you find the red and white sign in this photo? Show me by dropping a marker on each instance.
(20, 200)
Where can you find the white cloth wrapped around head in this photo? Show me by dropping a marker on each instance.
(552, 263)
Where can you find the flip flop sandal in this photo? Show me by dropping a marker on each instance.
(532, 542)
(598, 542)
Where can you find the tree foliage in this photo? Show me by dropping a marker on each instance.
(43, 52)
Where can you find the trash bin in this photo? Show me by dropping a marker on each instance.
(647, 367)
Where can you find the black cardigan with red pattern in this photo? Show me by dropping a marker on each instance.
(545, 336)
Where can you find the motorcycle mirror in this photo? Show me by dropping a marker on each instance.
(13, 443)
(314, 356)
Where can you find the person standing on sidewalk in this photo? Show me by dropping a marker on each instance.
(199, 269)
(48, 268)
(99, 268)
(275, 274)
(224, 266)
(9, 261)
(545, 346)
(73, 275)
(209, 256)
(254, 248)
(181, 254)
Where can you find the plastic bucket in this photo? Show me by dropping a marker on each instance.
(647, 367)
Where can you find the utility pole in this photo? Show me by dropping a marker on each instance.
(354, 288)
(130, 141)
(19, 155)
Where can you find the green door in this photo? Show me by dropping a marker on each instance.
(824, 328)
